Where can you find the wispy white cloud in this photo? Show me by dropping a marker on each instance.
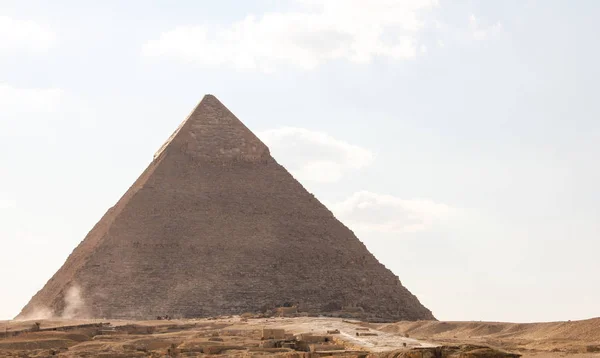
(479, 32)
(366, 212)
(315, 156)
(318, 157)
(319, 31)
(18, 35)
(465, 33)
(19, 100)
(37, 111)
(6, 202)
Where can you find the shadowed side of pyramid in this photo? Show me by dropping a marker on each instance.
(216, 226)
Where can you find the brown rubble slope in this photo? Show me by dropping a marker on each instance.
(216, 226)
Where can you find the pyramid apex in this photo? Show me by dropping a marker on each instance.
(213, 132)
(208, 96)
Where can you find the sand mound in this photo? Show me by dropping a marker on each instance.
(577, 336)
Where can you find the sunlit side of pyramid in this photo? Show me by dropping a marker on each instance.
(215, 226)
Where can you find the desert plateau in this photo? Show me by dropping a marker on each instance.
(256, 336)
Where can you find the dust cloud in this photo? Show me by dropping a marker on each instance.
(74, 308)
(74, 304)
(37, 313)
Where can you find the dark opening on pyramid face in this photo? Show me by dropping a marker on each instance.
(215, 226)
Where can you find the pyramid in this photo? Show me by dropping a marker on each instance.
(215, 226)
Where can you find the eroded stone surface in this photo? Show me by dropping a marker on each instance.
(216, 226)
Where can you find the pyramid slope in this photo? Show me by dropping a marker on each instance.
(216, 226)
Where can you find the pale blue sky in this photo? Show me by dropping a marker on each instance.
(457, 138)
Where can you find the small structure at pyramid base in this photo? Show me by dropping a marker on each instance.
(215, 226)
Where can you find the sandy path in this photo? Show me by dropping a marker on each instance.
(382, 342)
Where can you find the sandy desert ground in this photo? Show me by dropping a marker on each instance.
(302, 337)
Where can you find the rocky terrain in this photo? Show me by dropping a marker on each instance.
(560, 338)
(249, 336)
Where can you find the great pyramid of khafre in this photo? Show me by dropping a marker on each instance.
(215, 226)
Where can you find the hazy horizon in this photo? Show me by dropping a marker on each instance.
(456, 139)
